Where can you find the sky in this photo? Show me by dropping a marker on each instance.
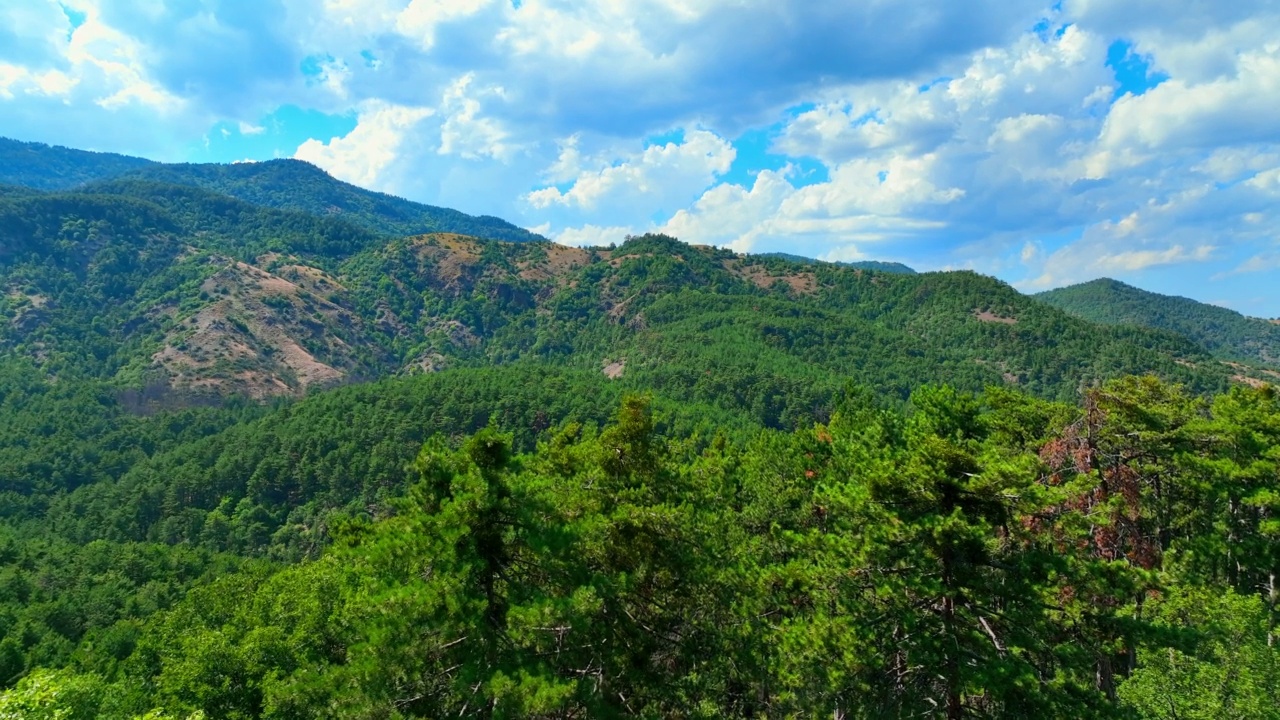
(1043, 143)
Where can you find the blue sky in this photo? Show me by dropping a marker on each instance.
(1045, 143)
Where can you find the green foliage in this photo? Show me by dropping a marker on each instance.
(1226, 333)
(1221, 666)
(875, 265)
(45, 167)
(299, 186)
(53, 695)
(993, 556)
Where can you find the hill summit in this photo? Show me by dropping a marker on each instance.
(1226, 333)
(283, 184)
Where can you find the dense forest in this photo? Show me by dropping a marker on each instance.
(281, 184)
(991, 555)
(45, 167)
(1226, 333)
(260, 459)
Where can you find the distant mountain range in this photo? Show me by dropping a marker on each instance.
(52, 167)
(280, 184)
(1225, 333)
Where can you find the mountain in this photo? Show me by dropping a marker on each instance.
(877, 265)
(301, 186)
(179, 294)
(1225, 333)
(281, 184)
(51, 167)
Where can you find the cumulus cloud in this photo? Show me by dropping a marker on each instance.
(421, 19)
(363, 156)
(732, 215)
(667, 175)
(468, 133)
(1224, 111)
(593, 236)
(910, 162)
(87, 84)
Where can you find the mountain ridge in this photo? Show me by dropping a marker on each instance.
(878, 265)
(283, 184)
(256, 279)
(55, 167)
(1230, 335)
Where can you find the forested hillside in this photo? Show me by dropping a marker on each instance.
(992, 556)
(186, 295)
(282, 184)
(878, 265)
(45, 167)
(270, 450)
(298, 185)
(1226, 333)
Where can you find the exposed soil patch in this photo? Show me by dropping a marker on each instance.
(619, 310)
(614, 370)
(988, 316)
(260, 335)
(1242, 377)
(617, 261)
(429, 363)
(30, 312)
(455, 258)
(388, 321)
(311, 279)
(36, 300)
(800, 283)
(559, 262)
(455, 333)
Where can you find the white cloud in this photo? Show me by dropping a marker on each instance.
(669, 174)
(593, 236)
(363, 156)
(1030, 252)
(465, 131)
(1263, 262)
(1221, 112)
(15, 79)
(358, 18)
(732, 215)
(422, 18)
(1131, 260)
(844, 253)
(1267, 181)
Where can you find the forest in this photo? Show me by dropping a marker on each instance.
(993, 555)
(272, 446)
(1226, 333)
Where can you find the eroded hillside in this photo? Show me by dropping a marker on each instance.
(188, 295)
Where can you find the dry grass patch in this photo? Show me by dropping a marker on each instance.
(990, 317)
